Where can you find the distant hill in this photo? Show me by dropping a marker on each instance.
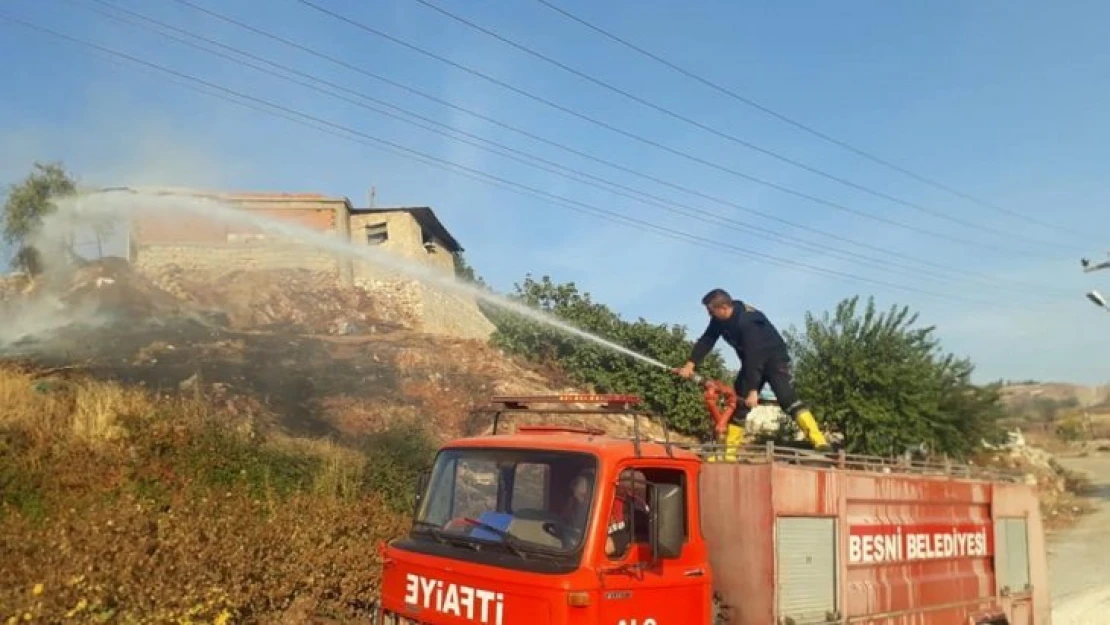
(1073, 395)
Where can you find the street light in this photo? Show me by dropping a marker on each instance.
(1098, 300)
(1088, 267)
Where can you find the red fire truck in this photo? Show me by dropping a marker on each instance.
(563, 524)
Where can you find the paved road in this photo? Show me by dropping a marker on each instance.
(1079, 558)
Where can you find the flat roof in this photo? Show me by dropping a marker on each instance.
(269, 196)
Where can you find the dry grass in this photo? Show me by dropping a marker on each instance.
(120, 506)
(341, 469)
(56, 407)
(127, 561)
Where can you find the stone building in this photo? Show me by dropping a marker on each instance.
(414, 235)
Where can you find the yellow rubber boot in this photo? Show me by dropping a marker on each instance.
(716, 455)
(734, 438)
(809, 425)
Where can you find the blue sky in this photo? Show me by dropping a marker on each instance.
(1004, 101)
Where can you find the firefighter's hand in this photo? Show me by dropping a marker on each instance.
(752, 400)
(685, 371)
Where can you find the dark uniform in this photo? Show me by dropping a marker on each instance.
(763, 354)
(764, 359)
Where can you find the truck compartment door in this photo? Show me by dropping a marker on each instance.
(1011, 561)
(806, 565)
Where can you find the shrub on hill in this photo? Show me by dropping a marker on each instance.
(606, 370)
(121, 506)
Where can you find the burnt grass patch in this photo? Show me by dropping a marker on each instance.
(288, 374)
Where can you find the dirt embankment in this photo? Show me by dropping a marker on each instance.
(285, 346)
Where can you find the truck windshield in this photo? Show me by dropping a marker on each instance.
(527, 501)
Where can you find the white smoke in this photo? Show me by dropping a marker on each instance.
(123, 205)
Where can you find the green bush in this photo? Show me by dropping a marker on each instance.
(395, 459)
(606, 370)
(887, 386)
(1070, 430)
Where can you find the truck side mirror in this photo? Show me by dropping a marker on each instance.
(666, 521)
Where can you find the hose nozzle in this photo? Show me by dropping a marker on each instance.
(696, 378)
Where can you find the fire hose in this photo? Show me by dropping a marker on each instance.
(715, 392)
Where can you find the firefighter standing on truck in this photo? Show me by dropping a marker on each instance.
(764, 359)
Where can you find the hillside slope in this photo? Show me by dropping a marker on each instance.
(226, 452)
(1018, 395)
(309, 359)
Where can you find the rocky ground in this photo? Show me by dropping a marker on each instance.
(1061, 490)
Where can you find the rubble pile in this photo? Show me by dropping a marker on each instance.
(286, 350)
(109, 285)
(1059, 490)
(295, 299)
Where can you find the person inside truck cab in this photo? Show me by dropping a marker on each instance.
(575, 513)
(628, 514)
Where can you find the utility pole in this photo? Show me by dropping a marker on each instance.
(371, 197)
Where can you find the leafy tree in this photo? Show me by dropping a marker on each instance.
(27, 204)
(606, 370)
(886, 385)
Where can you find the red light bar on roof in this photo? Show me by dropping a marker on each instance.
(610, 399)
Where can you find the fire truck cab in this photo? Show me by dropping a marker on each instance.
(555, 524)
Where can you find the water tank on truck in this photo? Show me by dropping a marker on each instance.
(562, 523)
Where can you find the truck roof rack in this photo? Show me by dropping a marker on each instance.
(598, 405)
(602, 404)
(772, 453)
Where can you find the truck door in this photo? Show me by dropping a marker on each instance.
(634, 591)
(1011, 553)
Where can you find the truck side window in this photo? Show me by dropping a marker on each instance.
(628, 516)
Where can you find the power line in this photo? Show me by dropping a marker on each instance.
(530, 135)
(801, 126)
(978, 245)
(516, 155)
(715, 131)
(358, 136)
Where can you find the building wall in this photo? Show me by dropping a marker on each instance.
(405, 239)
(220, 259)
(317, 213)
(440, 311)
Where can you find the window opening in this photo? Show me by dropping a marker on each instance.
(376, 234)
